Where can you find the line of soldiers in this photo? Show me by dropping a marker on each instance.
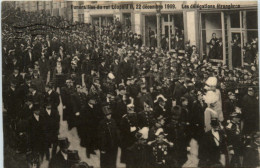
(120, 94)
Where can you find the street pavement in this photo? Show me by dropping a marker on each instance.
(13, 160)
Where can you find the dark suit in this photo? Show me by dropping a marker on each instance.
(209, 152)
(93, 117)
(12, 103)
(58, 161)
(108, 138)
(36, 135)
(125, 70)
(127, 137)
(179, 91)
(28, 60)
(66, 94)
(51, 128)
(44, 68)
(250, 113)
(53, 98)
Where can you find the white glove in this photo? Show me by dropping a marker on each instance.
(77, 114)
(132, 129)
(64, 107)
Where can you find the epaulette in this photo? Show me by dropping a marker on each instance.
(125, 115)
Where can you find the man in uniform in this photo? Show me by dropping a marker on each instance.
(161, 155)
(146, 117)
(139, 151)
(175, 130)
(129, 126)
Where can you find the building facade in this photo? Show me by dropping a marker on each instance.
(196, 20)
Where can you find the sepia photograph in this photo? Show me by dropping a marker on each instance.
(130, 84)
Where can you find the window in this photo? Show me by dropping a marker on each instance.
(235, 20)
(211, 34)
(250, 35)
(81, 18)
(172, 31)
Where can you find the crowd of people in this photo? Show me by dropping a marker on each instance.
(118, 92)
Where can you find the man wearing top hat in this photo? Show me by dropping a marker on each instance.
(51, 121)
(108, 138)
(60, 160)
(11, 100)
(93, 116)
(29, 59)
(175, 130)
(121, 105)
(36, 131)
(66, 93)
(51, 96)
(213, 146)
(125, 69)
(35, 95)
(79, 101)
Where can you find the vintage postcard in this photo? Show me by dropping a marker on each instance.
(136, 84)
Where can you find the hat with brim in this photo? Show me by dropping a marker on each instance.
(160, 98)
